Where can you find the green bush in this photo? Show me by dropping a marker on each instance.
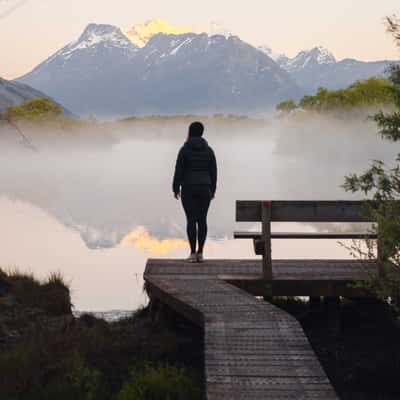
(381, 183)
(286, 106)
(369, 93)
(160, 383)
(30, 377)
(37, 108)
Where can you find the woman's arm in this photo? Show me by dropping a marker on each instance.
(213, 172)
(179, 173)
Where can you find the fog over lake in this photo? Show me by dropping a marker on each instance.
(96, 202)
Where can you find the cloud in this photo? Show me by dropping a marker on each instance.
(10, 7)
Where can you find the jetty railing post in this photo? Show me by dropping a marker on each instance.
(266, 239)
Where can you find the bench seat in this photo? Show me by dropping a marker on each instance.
(259, 244)
(306, 235)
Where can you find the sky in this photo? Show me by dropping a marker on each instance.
(31, 30)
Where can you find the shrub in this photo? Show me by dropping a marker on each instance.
(373, 92)
(382, 184)
(37, 108)
(53, 295)
(35, 372)
(160, 383)
(286, 106)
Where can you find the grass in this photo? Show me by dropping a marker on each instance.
(164, 382)
(47, 353)
(51, 295)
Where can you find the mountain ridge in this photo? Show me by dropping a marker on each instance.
(104, 73)
(171, 74)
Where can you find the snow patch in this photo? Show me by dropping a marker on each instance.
(176, 49)
(316, 56)
(94, 36)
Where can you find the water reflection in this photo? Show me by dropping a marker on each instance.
(111, 278)
(140, 239)
(97, 211)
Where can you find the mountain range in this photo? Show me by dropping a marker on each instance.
(318, 67)
(158, 69)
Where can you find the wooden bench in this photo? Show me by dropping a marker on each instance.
(296, 211)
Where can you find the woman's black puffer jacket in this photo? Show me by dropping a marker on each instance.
(196, 165)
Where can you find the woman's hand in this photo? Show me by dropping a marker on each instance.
(177, 196)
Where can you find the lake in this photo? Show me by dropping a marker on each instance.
(96, 205)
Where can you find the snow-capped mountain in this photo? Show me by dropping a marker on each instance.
(104, 73)
(142, 33)
(96, 40)
(308, 59)
(157, 68)
(341, 74)
(97, 37)
(84, 68)
(318, 67)
(202, 73)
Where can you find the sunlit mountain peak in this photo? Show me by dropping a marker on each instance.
(142, 33)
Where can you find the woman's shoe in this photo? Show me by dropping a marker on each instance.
(192, 258)
(200, 257)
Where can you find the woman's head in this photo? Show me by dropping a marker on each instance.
(196, 129)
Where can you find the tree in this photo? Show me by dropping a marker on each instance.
(286, 106)
(371, 92)
(382, 184)
(37, 108)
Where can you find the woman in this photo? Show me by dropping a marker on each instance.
(195, 181)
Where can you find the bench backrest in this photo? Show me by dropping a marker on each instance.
(301, 211)
(293, 211)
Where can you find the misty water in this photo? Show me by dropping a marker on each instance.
(96, 204)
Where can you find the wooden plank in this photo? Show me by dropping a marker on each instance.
(302, 211)
(253, 349)
(306, 235)
(231, 391)
(300, 270)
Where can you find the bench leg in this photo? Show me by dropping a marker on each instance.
(332, 308)
(266, 238)
(315, 303)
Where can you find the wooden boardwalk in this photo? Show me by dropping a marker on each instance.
(253, 350)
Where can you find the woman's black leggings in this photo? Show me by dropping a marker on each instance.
(196, 202)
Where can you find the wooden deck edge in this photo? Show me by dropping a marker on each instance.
(189, 312)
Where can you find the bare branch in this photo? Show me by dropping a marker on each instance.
(393, 27)
(11, 8)
(25, 141)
